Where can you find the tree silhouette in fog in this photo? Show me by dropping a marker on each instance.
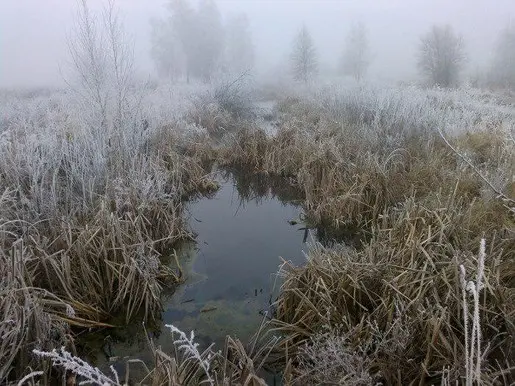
(441, 56)
(304, 59)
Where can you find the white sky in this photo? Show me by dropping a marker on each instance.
(32, 32)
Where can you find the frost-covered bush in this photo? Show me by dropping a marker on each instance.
(411, 108)
(224, 107)
(330, 358)
(235, 96)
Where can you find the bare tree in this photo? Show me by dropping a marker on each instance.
(89, 59)
(182, 25)
(166, 51)
(197, 38)
(304, 56)
(356, 56)
(210, 39)
(239, 49)
(102, 59)
(121, 60)
(441, 56)
(503, 66)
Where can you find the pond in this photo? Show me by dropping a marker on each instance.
(243, 231)
(233, 264)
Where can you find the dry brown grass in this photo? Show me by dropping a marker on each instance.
(345, 180)
(85, 265)
(393, 304)
(389, 308)
(22, 306)
(398, 298)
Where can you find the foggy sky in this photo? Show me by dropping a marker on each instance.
(33, 32)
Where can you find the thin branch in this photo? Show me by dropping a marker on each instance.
(499, 193)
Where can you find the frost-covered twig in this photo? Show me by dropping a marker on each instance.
(473, 353)
(31, 376)
(510, 204)
(463, 281)
(190, 349)
(92, 375)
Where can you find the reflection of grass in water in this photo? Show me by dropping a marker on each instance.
(256, 186)
(187, 252)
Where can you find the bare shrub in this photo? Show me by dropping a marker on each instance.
(441, 56)
(102, 62)
(225, 107)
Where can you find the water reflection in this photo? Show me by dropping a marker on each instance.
(242, 232)
(258, 186)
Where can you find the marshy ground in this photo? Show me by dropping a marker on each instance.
(230, 271)
(401, 185)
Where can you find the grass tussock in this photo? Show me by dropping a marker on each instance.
(86, 218)
(225, 108)
(394, 306)
(389, 310)
(23, 305)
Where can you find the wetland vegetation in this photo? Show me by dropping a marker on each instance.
(403, 216)
(230, 232)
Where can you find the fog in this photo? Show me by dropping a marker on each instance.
(33, 50)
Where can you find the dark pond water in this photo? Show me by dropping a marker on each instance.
(242, 232)
(233, 263)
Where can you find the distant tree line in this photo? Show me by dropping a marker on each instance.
(193, 42)
(442, 58)
(355, 59)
